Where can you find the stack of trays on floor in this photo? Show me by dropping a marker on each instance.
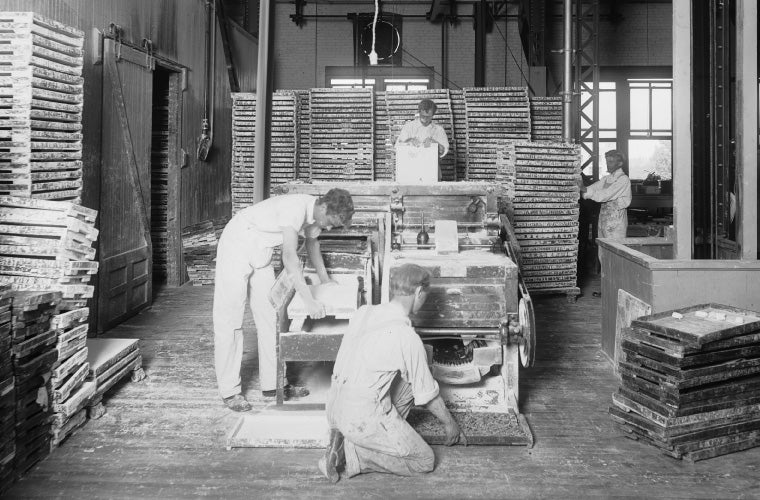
(342, 134)
(243, 151)
(546, 214)
(691, 381)
(384, 160)
(303, 170)
(546, 119)
(199, 243)
(34, 355)
(283, 159)
(110, 360)
(459, 117)
(403, 106)
(7, 391)
(493, 114)
(67, 389)
(48, 245)
(41, 95)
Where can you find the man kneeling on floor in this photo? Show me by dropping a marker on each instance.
(381, 371)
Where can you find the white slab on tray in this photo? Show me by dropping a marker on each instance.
(341, 301)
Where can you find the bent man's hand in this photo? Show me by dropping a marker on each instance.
(453, 433)
(316, 309)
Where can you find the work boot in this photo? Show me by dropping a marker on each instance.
(290, 392)
(237, 403)
(334, 458)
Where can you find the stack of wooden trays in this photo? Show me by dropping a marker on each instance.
(243, 151)
(546, 214)
(7, 391)
(159, 185)
(459, 117)
(283, 156)
(403, 107)
(41, 95)
(546, 119)
(48, 245)
(493, 114)
(34, 355)
(303, 170)
(110, 360)
(199, 243)
(691, 381)
(66, 388)
(342, 134)
(384, 159)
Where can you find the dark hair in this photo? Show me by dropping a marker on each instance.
(427, 105)
(406, 278)
(338, 202)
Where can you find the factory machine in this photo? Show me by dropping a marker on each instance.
(478, 321)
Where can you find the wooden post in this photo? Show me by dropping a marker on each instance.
(746, 128)
(682, 96)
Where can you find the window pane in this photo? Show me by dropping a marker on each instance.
(604, 146)
(647, 156)
(640, 109)
(661, 112)
(607, 110)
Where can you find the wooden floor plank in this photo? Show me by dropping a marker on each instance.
(164, 437)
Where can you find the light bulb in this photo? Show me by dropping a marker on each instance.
(373, 58)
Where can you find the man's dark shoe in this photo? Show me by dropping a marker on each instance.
(334, 458)
(237, 403)
(290, 392)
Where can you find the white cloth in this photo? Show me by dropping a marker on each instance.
(244, 273)
(415, 129)
(614, 193)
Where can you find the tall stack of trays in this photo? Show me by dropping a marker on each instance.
(7, 392)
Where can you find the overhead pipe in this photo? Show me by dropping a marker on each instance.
(567, 87)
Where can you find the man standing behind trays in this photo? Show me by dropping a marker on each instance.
(422, 132)
(381, 370)
(614, 193)
(244, 272)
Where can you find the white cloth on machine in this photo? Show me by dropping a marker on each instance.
(614, 193)
(244, 274)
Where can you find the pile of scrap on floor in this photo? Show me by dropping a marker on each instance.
(199, 243)
(691, 381)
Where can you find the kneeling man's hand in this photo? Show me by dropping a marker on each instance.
(454, 434)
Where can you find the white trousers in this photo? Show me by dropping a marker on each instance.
(240, 278)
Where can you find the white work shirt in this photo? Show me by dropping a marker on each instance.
(269, 217)
(615, 187)
(415, 129)
(380, 343)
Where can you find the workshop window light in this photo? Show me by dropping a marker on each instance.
(407, 83)
(352, 83)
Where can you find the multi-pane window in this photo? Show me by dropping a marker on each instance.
(607, 125)
(651, 129)
(381, 83)
(352, 83)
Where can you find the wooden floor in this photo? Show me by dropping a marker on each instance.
(163, 438)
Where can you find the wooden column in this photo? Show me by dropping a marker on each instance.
(263, 98)
(682, 113)
(746, 127)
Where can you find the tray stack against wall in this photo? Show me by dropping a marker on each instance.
(67, 391)
(403, 106)
(159, 184)
(546, 119)
(48, 245)
(199, 243)
(342, 134)
(41, 94)
(283, 157)
(243, 152)
(459, 116)
(691, 381)
(34, 355)
(303, 170)
(546, 214)
(7, 392)
(384, 158)
(493, 114)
